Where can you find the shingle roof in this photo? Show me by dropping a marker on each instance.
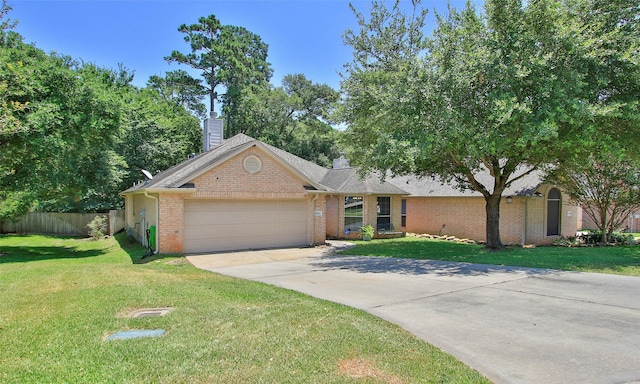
(432, 187)
(329, 180)
(191, 167)
(347, 180)
(309, 169)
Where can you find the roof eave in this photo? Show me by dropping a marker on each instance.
(184, 191)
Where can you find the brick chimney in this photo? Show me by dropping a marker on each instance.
(213, 132)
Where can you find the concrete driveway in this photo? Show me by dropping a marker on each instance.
(513, 325)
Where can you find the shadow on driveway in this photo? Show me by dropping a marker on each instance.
(376, 264)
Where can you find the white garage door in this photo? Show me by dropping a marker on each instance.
(221, 225)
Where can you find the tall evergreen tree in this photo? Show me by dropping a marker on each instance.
(228, 56)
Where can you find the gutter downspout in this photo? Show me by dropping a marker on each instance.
(146, 193)
(313, 219)
(340, 205)
(525, 207)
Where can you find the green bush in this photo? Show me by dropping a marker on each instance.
(366, 232)
(570, 241)
(97, 227)
(614, 238)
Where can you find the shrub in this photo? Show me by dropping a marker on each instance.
(570, 241)
(622, 238)
(366, 232)
(97, 227)
(614, 238)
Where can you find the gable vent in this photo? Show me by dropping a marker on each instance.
(252, 164)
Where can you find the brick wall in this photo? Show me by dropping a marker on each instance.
(332, 216)
(171, 226)
(521, 221)
(631, 224)
(570, 218)
(462, 217)
(230, 180)
(320, 222)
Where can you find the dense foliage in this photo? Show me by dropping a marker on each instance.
(294, 117)
(602, 173)
(73, 135)
(233, 60)
(182, 88)
(606, 182)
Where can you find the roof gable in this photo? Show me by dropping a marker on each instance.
(319, 178)
(180, 173)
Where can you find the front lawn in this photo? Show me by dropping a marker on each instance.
(62, 297)
(623, 260)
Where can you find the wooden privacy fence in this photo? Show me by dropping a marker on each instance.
(52, 223)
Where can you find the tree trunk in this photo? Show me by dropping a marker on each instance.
(493, 222)
(604, 227)
(212, 99)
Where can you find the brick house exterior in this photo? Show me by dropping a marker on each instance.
(525, 211)
(245, 194)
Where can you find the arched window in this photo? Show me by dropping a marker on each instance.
(553, 212)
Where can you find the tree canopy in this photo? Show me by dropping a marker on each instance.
(602, 172)
(294, 117)
(63, 122)
(227, 55)
(501, 91)
(180, 87)
(73, 135)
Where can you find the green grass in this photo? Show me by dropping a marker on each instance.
(623, 260)
(62, 297)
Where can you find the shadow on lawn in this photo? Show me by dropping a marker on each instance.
(137, 253)
(25, 253)
(377, 264)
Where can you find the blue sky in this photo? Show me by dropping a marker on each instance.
(304, 36)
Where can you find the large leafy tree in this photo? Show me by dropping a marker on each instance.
(62, 120)
(228, 56)
(610, 34)
(294, 117)
(499, 92)
(602, 174)
(73, 135)
(157, 134)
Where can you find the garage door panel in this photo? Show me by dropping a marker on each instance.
(232, 225)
